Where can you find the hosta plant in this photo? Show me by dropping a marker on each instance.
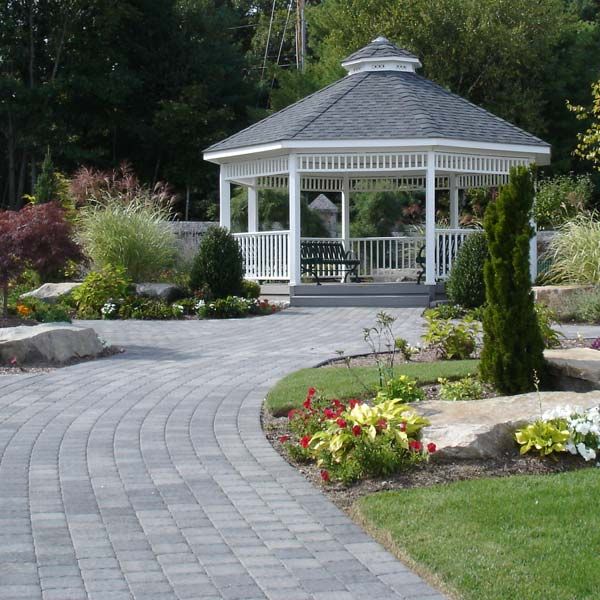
(452, 340)
(563, 429)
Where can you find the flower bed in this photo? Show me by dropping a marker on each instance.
(353, 440)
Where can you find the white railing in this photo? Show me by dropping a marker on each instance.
(384, 255)
(265, 254)
(447, 245)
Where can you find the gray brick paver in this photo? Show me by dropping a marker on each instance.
(147, 474)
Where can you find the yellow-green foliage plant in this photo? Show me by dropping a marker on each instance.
(546, 437)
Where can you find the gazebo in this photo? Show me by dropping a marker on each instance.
(382, 127)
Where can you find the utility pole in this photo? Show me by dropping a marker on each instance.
(300, 35)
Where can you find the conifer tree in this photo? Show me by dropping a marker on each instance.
(512, 343)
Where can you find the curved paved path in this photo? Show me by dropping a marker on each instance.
(147, 475)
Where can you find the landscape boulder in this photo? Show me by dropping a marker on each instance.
(484, 429)
(53, 343)
(51, 292)
(167, 292)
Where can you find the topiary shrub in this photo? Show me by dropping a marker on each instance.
(218, 269)
(250, 289)
(512, 342)
(465, 285)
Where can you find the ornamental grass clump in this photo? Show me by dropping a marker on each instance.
(132, 234)
(351, 440)
(575, 251)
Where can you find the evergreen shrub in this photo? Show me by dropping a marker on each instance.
(465, 285)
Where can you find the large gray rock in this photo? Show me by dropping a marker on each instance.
(51, 292)
(48, 343)
(477, 429)
(557, 297)
(574, 368)
(161, 291)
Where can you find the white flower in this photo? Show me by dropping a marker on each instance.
(585, 452)
(570, 447)
(178, 308)
(199, 304)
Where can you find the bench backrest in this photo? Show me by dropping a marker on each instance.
(323, 250)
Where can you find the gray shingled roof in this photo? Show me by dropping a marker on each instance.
(383, 104)
(380, 48)
(324, 204)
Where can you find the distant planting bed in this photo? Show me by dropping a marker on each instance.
(340, 382)
(533, 537)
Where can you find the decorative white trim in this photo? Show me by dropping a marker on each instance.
(539, 152)
(388, 63)
(477, 163)
(465, 182)
(256, 167)
(362, 162)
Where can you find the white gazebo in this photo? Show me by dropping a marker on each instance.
(381, 128)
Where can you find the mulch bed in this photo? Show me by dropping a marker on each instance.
(422, 475)
(15, 322)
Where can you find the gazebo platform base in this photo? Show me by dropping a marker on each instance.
(381, 295)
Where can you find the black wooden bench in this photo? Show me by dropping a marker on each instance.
(315, 254)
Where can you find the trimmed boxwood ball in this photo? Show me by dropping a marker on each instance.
(465, 285)
(218, 268)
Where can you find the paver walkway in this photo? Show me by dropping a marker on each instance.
(147, 475)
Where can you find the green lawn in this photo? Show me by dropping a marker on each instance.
(521, 537)
(339, 382)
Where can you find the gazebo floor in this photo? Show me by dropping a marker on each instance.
(381, 295)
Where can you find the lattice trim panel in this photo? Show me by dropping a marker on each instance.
(465, 182)
(475, 163)
(386, 161)
(258, 167)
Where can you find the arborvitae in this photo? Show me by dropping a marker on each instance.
(46, 186)
(512, 343)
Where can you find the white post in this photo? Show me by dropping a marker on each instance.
(453, 202)
(430, 220)
(294, 238)
(346, 214)
(224, 200)
(533, 255)
(252, 208)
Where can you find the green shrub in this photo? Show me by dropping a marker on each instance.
(250, 289)
(134, 235)
(110, 283)
(465, 285)
(561, 198)
(44, 312)
(226, 308)
(406, 350)
(452, 340)
(575, 252)
(546, 317)
(402, 388)
(134, 307)
(218, 268)
(512, 343)
(446, 311)
(467, 388)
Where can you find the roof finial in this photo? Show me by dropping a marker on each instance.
(380, 39)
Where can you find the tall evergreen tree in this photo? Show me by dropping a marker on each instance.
(512, 343)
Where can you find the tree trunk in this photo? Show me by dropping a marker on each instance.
(11, 162)
(21, 183)
(5, 299)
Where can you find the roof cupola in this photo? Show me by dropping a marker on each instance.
(381, 55)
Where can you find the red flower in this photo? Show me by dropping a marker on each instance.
(352, 403)
(341, 423)
(13, 361)
(293, 413)
(284, 438)
(305, 441)
(356, 430)
(311, 392)
(325, 475)
(402, 426)
(382, 424)
(307, 403)
(415, 445)
(329, 414)
(431, 448)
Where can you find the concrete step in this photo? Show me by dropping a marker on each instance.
(361, 289)
(379, 301)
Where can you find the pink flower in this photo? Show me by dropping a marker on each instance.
(431, 448)
(356, 430)
(402, 426)
(341, 423)
(329, 414)
(354, 402)
(415, 445)
(284, 438)
(305, 441)
(13, 361)
(325, 475)
(382, 424)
